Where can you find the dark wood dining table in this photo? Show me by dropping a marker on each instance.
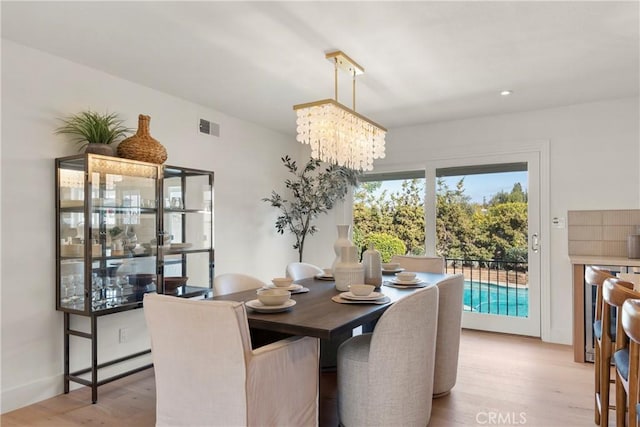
(317, 315)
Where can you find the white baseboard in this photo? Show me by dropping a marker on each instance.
(28, 394)
(560, 336)
(46, 388)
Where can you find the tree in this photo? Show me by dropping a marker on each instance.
(386, 244)
(470, 231)
(408, 215)
(312, 192)
(454, 228)
(399, 214)
(517, 195)
(504, 227)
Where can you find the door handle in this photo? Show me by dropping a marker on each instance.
(535, 243)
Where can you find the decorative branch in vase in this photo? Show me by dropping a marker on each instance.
(312, 192)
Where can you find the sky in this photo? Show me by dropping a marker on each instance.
(476, 186)
(479, 186)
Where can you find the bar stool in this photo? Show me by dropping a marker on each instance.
(627, 359)
(595, 276)
(614, 293)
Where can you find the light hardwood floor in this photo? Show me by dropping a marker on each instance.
(502, 380)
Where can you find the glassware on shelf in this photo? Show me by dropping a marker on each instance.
(66, 289)
(127, 288)
(98, 292)
(113, 292)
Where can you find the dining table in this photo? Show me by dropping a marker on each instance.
(316, 314)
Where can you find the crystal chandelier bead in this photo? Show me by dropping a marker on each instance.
(337, 135)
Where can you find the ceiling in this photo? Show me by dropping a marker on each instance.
(423, 61)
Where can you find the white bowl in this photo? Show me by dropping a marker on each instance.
(390, 266)
(282, 282)
(327, 272)
(273, 296)
(361, 290)
(406, 276)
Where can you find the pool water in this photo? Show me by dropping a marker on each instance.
(490, 298)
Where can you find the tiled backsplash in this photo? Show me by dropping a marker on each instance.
(601, 233)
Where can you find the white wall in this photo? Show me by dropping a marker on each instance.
(37, 88)
(594, 157)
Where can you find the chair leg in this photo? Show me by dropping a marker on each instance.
(632, 397)
(597, 395)
(621, 402)
(605, 380)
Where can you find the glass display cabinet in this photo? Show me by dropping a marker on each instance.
(187, 230)
(125, 228)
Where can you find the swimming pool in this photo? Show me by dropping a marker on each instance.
(491, 298)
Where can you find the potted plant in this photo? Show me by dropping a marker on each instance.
(313, 191)
(94, 132)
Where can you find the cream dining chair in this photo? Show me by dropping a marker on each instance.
(385, 378)
(424, 264)
(449, 319)
(302, 270)
(235, 282)
(448, 337)
(207, 374)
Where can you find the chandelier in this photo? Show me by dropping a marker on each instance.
(336, 133)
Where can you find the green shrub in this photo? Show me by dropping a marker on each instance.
(516, 257)
(386, 244)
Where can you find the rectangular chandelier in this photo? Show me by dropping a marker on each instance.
(336, 133)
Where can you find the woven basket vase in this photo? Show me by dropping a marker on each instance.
(142, 146)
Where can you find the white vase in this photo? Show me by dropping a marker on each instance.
(343, 241)
(348, 271)
(372, 262)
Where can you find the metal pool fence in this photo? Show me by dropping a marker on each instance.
(493, 286)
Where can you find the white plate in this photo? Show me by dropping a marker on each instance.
(406, 282)
(371, 297)
(294, 288)
(256, 305)
(397, 270)
(416, 285)
(323, 277)
(340, 300)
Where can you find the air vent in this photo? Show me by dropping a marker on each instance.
(210, 128)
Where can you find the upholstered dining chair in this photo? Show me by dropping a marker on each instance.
(235, 282)
(628, 361)
(424, 264)
(207, 373)
(595, 276)
(448, 335)
(302, 270)
(385, 378)
(614, 293)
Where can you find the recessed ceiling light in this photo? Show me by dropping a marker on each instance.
(506, 92)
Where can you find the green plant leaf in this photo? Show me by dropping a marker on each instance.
(90, 127)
